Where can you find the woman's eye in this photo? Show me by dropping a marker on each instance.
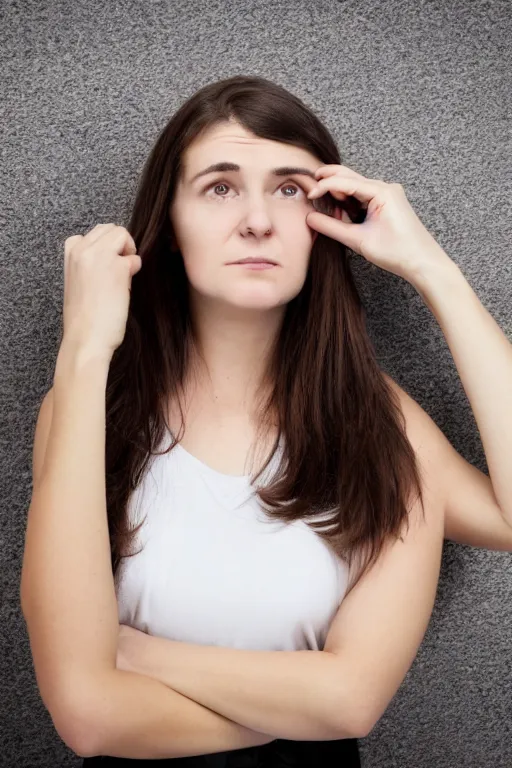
(293, 186)
(225, 184)
(217, 184)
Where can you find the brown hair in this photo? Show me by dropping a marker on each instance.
(346, 450)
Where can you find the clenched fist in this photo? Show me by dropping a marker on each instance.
(98, 270)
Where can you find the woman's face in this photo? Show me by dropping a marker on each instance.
(220, 217)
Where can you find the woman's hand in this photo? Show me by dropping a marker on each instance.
(392, 236)
(98, 271)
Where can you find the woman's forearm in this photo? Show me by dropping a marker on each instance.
(70, 602)
(294, 695)
(138, 717)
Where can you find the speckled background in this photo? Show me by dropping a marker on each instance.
(414, 92)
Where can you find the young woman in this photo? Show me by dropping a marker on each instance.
(274, 505)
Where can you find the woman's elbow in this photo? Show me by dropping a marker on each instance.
(80, 719)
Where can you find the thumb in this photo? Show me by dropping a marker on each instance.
(129, 253)
(135, 262)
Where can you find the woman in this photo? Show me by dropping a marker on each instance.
(201, 330)
(293, 470)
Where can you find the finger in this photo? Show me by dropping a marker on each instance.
(70, 242)
(120, 235)
(309, 183)
(123, 237)
(330, 170)
(348, 234)
(130, 247)
(90, 237)
(362, 190)
(96, 232)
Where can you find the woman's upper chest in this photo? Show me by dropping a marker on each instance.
(221, 439)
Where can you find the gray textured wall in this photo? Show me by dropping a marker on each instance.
(416, 92)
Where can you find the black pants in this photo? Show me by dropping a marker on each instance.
(280, 753)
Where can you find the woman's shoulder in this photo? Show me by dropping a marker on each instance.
(392, 383)
(413, 413)
(425, 437)
(411, 409)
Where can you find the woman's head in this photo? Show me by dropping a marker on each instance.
(192, 229)
(222, 216)
(346, 452)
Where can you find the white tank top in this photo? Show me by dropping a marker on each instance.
(215, 570)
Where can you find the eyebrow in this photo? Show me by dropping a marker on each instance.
(285, 170)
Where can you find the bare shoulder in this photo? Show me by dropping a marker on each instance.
(411, 410)
(417, 421)
(405, 399)
(429, 443)
(426, 439)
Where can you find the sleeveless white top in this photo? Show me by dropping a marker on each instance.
(215, 570)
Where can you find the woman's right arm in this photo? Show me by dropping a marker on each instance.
(68, 598)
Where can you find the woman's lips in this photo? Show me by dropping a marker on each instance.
(254, 264)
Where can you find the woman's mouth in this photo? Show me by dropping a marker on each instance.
(254, 264)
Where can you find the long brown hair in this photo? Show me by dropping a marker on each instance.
(346, 450)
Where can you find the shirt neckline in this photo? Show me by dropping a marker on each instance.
(236, 480)
(214, 472)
